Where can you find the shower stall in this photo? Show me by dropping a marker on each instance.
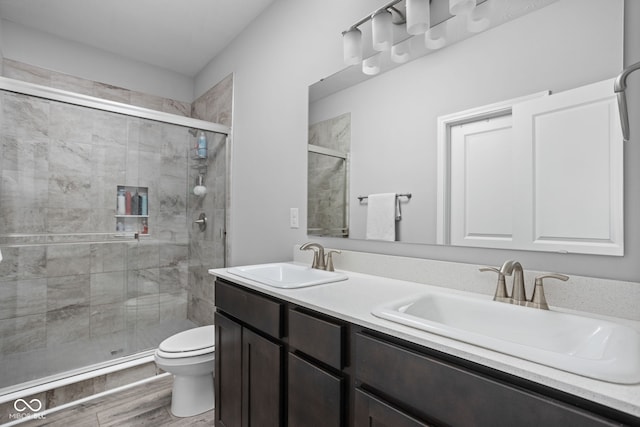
(97, 234)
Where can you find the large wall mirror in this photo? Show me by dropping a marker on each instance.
(380, 135)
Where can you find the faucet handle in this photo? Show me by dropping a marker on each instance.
(501, 288)
(538, 299)
(329, 266)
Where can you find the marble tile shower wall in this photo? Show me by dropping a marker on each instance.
(207, 249)
(61, 279)
(327, 189)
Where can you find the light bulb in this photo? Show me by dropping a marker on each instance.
(418, 16)
(476, 25)
(371, 65)
(461, 7)
(381, 29)
(436, 38)
(352, 46)
(401, 52)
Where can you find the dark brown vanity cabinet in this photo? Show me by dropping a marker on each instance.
(279, 364)
(249, 386)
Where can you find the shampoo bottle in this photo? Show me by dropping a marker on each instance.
(120, 206)
(127, 198)
(143, 204)
(202, 145)
(135, 204)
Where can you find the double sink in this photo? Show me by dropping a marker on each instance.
(574, 343)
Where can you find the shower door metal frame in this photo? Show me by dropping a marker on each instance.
(54, 94)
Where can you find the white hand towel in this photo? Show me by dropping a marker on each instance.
(381, 217)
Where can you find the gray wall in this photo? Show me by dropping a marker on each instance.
(294, 44)
(53, 53)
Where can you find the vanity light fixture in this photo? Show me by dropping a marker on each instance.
(417, 15)
(382, 20)
(382, 32)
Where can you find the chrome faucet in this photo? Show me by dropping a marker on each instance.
(518, 292)
(319, 260)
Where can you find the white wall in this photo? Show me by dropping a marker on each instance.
(34, 47)
(294, 44)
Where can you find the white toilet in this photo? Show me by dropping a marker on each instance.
(189, 356)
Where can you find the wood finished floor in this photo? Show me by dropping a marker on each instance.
(144, 405)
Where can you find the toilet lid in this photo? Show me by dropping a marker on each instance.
(189, 340)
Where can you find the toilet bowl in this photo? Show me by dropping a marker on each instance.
(189, 356)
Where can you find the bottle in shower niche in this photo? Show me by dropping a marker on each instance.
(127, 203)
(202, 145)
(121, 202)
(135, 204)
(144, 204)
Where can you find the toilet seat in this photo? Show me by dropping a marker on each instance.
(189, 343)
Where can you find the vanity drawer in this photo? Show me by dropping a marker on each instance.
(444, 393)
(318, 338)
(260, 312)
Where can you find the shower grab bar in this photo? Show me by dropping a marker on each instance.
(111, 238)
(619, 88)
(407, 195)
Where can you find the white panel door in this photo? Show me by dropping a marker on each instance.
(481, 184)
(573, 179)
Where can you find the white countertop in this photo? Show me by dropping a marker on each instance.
(352, 300)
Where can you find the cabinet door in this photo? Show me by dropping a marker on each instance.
(262, 381)
(314, 395)
(373, 412)
(228, 373)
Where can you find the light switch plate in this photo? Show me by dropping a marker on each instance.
(293, 218)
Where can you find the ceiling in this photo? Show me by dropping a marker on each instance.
(178, 35)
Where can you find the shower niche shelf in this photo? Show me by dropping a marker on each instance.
(132, 211)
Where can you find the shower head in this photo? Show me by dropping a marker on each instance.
(193, 132)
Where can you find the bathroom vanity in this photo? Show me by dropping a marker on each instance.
(316, 356)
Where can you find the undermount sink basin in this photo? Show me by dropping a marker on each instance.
(585, 346)
(284, 275)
